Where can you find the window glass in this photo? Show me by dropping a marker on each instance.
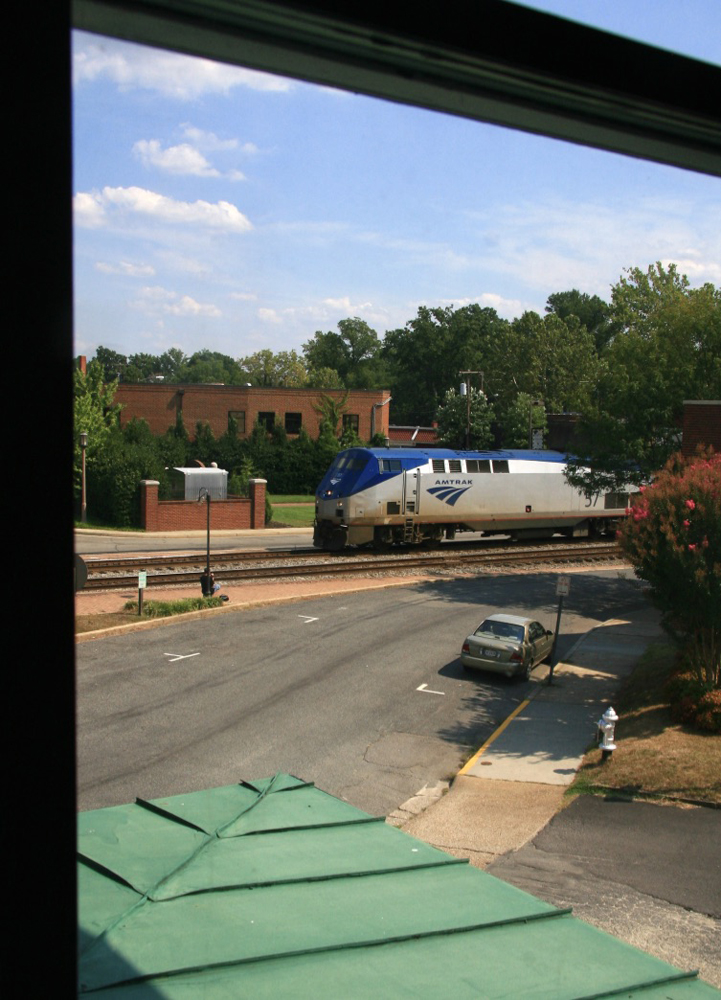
(239, 417)
(293, 423)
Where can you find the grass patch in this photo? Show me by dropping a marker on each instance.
(276, 498)
(655, 757)
(151, 609)
(293, 517)
(164, 609)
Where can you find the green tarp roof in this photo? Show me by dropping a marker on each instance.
(276, 889)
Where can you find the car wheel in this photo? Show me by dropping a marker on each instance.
(525, 672)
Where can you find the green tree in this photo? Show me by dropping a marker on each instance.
(170, 364)
(324, 378)
(354, 353)
(673, 540)
(267, 368)
(94, 413)
(204, 446)
(330, 410)
(463, 426)
(114, 364)
(522, 416)
(211, 366)
(428, 354)
(142, 367)
(590, 310)
(667, 348)
(547, 358)
(114, 478)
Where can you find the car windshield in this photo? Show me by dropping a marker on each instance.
(501, 630)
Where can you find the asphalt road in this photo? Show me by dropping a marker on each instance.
(647, 873)
(362, 694)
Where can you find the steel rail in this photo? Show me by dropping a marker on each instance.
(320, 565)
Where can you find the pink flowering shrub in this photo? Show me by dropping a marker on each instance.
(672, 537)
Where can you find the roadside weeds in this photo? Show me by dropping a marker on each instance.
(655, 757)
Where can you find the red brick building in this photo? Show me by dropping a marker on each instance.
(701, 424)
(161, 404)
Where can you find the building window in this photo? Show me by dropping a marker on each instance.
(239, 417)
(293, 423)
(267, 420)
(350, 422)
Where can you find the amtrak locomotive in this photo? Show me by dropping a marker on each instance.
(382, 496)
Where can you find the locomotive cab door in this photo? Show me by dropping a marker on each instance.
(411, 492)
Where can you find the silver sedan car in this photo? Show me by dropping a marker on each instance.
(507, 644)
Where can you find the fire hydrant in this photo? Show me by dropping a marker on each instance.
(606, 733)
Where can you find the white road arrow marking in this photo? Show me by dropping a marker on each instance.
(308, 620)
(426, 690)
(180, 656)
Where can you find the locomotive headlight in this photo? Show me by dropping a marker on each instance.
(328, 493)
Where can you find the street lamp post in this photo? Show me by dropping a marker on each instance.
(204, 497)
(83, 497)
(468, 404)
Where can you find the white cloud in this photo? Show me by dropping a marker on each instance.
(187, 265)
(244, 296)
(88, 211)
(189, 307)
(171, 74)
(154, 300)
(554, 245)
(506, 308)
(347, 307)
(92, 209)
(182, 159)
(207, 140)
(126, 267)
(269, 316)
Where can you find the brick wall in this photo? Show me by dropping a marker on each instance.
(211, 404)
(236, 513)
(701, 424)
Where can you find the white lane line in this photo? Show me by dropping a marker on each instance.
(308, 619)
(180, 656)
(426, 690)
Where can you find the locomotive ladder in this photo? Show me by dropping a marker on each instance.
(408, 530)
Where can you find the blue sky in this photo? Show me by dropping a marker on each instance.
(221, 208)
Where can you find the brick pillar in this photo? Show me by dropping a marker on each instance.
(257, 502)
(149, 504)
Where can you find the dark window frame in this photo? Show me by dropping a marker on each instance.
(293, 426)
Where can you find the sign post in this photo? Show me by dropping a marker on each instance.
(142, 584)
(563, 589)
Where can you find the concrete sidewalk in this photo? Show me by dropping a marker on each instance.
(510, 789)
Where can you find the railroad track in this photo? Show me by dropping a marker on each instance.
(182, 570)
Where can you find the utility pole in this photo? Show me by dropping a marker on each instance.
(466, 391)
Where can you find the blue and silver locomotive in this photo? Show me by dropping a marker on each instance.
(382, 496)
